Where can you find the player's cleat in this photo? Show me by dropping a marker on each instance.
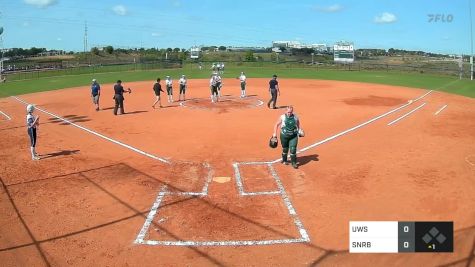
(35, 158)
(284, 162)
(294, 164)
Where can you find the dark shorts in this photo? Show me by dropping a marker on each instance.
(214, 90)
(182, 89)
(170, 90)
(32, 134)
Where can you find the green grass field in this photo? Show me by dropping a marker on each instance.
(448, 84)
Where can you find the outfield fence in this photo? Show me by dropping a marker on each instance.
(90, 69)
(445, 68)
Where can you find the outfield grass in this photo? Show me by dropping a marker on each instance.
(442, 83)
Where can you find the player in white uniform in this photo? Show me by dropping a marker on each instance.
(213, 85)
(222, 68)
(183, 85)
(219, 84)
(169, 86)
(243, 78)
(32, 122)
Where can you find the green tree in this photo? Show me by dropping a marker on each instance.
(249, 56)
(109, 49)
(95, 51)
(176, 50)
(222, 48)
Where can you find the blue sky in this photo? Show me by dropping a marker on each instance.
(404, 24)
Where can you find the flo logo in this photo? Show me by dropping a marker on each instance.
(446, 18)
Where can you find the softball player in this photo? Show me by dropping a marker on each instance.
(242, 78)
(183, 85)
(95, 93)
(274, 90)
(157, 88)
(213, 84)
(290, 129)
(219, 84)
(32, 122)
(169, 85)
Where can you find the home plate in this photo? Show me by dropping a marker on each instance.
(222, 179)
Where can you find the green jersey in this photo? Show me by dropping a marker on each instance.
(289, 124)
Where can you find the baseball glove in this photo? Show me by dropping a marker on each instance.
(273, 142)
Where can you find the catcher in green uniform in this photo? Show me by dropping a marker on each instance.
(290, 130)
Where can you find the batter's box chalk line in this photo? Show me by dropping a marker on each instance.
(304, 237)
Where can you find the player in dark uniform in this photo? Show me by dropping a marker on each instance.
(95, 93)
(32, 122)
(119, 97)
(290, 129)
(274, 91)
(157, 88)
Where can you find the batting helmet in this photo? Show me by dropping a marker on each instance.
(30, 108)
(273, 142)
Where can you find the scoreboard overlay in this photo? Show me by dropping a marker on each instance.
(401, 237)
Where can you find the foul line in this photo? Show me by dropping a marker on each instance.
(407, 114)
(359, 125)
(6, 116)
(96, 134)
(440, 110)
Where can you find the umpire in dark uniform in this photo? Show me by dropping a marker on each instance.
(274, 91)
(119, 97)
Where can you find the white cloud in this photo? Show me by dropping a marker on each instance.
(120, 10)
(385, 18)
(329, 9)
(59, 39)
(40, 3)
(156, 34)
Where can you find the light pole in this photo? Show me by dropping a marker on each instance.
(312, 58)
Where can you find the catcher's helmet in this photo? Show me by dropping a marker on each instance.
(273, 142)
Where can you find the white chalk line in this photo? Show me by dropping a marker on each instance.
(440, 110)
(96, 134)
(204, 191)
(304, 237)
(304, 234)
(223, 243)
(357, 126)
(468, 161)
(240, 185)
(6, 116)
(151, 214)
(407, 114)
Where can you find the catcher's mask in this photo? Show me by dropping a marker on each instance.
(273, 142)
